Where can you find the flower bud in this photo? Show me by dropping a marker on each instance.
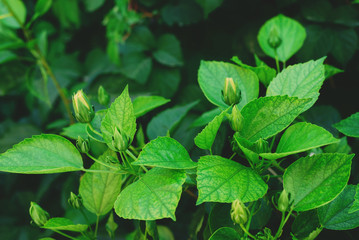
(283, 201)
(38, 215)
(236, 119)
(75, 201)
(230, 93)
(84, 112)
(111, 226)
(103, 97)
(261, 146)
(82, 145)
(274, 41)
(120, 140)
(239, 212)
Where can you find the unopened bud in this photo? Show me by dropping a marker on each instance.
(84, 112)
(274, 41)
(103, 96)
(38, 215)
(239, 212)
(261, 146)
(111, 226)
(283, 201)
(120, 140)
(75, 201)
(82, 145)
(236, 119)
(230, 93)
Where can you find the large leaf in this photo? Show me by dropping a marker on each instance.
(223, 180)
(316, 180)
(46, 153)
(349, 126)
(165, 152)
(168, 51)
(18, 8)
(136, 66)
(267, 116)
(99, 191)
(291, 33)
(144, 104)
(336, 215)
(120, 115)
(302, 80)
(206, 137)
(211, 77)
(164, 81)
(299, 138)
(225, 233)
(153, 196)
(355, 206)
(64, 224)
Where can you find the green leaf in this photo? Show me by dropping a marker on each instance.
(92, 5)
(302, 80)
(305, 224)
(225, 233)
(220, 216)
(355, 206)
(316, 180)
(75, 130)
(165, 152)
(206, 117)
(41, 7)
(223, 180)
(99, 191)
(209, 5)
(18, 8)
(144, 104)
(340, 147)
(120, 115)
(136, 66)
(168, 51)
(267, 116)
(6, 56)
(331, 71)
(291, 32)
(336, 215)
(64, 224)
(345, 44)
(167, 120)
(164, 81)
(206, 137)
(141, 39)
(349, 126)
(46, 153)
(301, 137)
(211, 77)
(247, 148)
(182, 12)
(154, 196)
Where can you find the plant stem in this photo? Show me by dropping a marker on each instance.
(129, 153)
(86, 218)
(210, 151)
(246, 232)
(102, 163)
(96, 228)
(250, 216)
(275, 174)
(93, 130)
(64, 234)
(282, 223)
(277, 62)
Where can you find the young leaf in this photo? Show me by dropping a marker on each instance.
(349, 126)
(336, 215)
(291, 33)
(154, 196)
(144, 104)
(331, 71)
(120, 115)
(225, 233)
(211, 77)
(64, 224)
(247, 148)
(267, 116)
(206, 117)
(301, 137)
(316, 180)
(302, 80)
(100, 190)
(206, 137)
(167, 120)
(74, 131)
(41, 7)
(168, 51)
(223, 180)
(165, 152)
(46, 153)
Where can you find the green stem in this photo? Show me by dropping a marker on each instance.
(210, 151)
(250, 216)
(125, 160)
(272, 143)
(282, 223)
(64, 234)
(129, 153)
(246, 232)
(96, 228)
(276, 60)
(102, 163)
(93, 130)
(234, 154)
(274, 163)
(86, 219)
(284, 65)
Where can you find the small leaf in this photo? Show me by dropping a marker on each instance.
(291, 33)
(223, 180)
(41, 7)
(209, 6)
(153, 196)
(168, 51)
(92, 5)
(247, 148)
(18, 8)
(206, 117)
(267, 116)
(46, 153)
(100, 190)
(144, 104)
(164, 81)
(136, 66)
(75, 130)
(301, 137)
(64, 224)
(336, 215)
(165, 152)
(331, 71)
(316, 180)
(349, 126)
(225, 233)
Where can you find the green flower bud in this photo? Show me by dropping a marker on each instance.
(274, 41)
(111, 226)
(75, 201)
(283, 201)
(120, 140)
(261, 146)
(103, 96)
(239, 212)
(39, 216)
(84, 112)
(230, 93)
(236, 119)
(82, 145)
